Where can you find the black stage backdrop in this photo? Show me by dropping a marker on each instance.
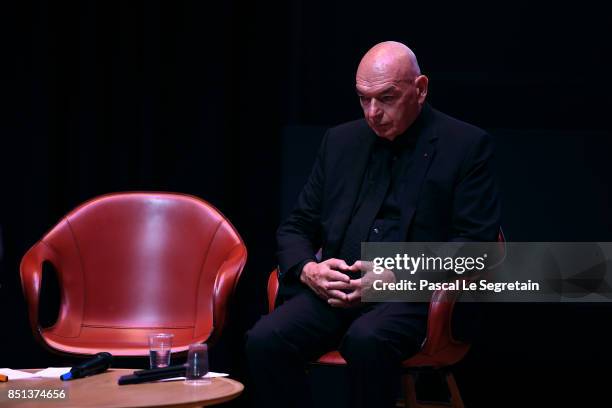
(226, 101)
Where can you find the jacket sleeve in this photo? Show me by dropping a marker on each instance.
(300, 236)
(476, 206)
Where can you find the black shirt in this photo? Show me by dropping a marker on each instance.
(398, 156)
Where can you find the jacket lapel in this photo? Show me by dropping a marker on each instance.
(348, 186)
(422, 159)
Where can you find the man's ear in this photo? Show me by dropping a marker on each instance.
(421, 83)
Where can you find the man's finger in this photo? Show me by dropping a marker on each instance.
(356, 267)
(336, 294)
(337, 264)
(363, 266)
(354, 296)
(355, 284)
(332, 275)
(338, 285)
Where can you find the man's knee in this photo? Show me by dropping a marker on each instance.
(367, 341)
(260, 338)
(362, 343)
(264, 340)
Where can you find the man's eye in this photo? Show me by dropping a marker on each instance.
(387, 98)
(364, 99)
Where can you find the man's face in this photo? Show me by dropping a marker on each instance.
(389, 105)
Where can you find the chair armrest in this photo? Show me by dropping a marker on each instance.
(439, 321)
(31, 280)
(439, 330)
(272, 289)
(224, 289)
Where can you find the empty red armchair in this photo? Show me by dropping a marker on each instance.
(131, 264)
(438, 352)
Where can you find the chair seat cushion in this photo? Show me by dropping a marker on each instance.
(119, 341)
(448, 356)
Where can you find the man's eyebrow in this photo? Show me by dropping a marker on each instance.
(389, 89)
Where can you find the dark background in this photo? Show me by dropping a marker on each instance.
(227, 101)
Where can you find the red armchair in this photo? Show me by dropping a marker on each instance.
(130, 264)
(439, 350)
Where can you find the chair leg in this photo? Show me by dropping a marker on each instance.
(410, 400)
(455, 396)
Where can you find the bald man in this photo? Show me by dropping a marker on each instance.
(405, 172)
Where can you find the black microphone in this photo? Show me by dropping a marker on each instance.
(101, 362)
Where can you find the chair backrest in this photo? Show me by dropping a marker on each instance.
(133, 263)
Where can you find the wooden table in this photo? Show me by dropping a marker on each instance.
(102, 391)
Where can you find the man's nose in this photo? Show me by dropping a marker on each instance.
(374, 112)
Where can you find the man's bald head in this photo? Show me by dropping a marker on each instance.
(391, 88)
(390, 57)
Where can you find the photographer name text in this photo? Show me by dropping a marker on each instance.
(459, 284)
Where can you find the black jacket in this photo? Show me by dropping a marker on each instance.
(450, 193)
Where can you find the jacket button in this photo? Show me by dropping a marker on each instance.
(425, 155)
(376, 230)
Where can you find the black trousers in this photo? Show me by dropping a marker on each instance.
(373, 338)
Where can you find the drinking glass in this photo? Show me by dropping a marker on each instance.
(197, 365)
(160, 346)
